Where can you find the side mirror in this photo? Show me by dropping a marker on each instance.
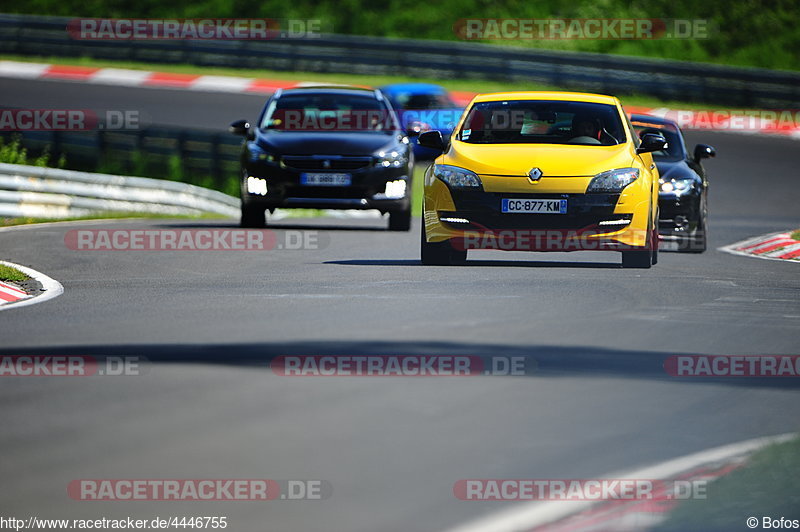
(652, 142)
(432, 139)
(703, 151)
(240, 127)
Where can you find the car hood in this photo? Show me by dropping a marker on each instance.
(674, 170)
(314, 143)
(554, 160)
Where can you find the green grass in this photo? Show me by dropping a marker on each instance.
(7, 222)
(765, 486)
(478, 86)
(796, 235)
(7, 273)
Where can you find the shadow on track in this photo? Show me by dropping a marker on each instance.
(540, 361)
(479, 263)
(276, 226)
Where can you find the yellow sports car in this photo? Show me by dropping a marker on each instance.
(542, 171)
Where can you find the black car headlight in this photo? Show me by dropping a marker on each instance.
(395, 157)
(613, 180)
(257, 186)
(677, 186)
(456, 177)
(256, 154)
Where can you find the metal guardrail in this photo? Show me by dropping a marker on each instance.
(31, 191)
(150, 150)
(698, 82)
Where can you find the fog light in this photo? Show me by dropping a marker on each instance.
(256, 185)
(395, 189)
(451, 220)
(616, 223)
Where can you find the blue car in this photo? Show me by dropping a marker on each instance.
(423, 107)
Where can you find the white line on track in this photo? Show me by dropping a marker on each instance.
(120, 76)
(530, 515)
(52, 288)
(16, 69)
(735, 248)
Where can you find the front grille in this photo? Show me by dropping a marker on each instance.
(482, 209)
(323, 164)
(327, 192)
(500, 221)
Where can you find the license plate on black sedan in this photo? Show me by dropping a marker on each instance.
(534, 206)
(326, 179)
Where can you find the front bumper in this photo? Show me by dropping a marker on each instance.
(678, 215)
(366, 191)
(473, 219)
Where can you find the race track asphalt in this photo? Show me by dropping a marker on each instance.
(208, 406)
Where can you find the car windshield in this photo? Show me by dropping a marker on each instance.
(675, 150)
(422, 101)
(542, 122)
(328, 113)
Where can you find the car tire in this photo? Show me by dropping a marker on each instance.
(439, 253)
(642, 258)
(400, 220)
(637, 258)
(698, 241)
(655, 238)
(253, 216)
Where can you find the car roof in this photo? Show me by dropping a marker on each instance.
(548, 95)
(331, 89)
(654, 120)
(414, 88)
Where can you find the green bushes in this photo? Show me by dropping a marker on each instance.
(12, 152)
(747, 32)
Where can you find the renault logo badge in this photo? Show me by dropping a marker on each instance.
(326, 164)
(535, 174)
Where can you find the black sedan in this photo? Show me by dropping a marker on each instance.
(683, 196)
(326, 148)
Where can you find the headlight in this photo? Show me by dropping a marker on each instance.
(455, 176)
(256, 185)
(677, 186)
(392, 158)
(395, 189)
(257, 154)
(613, 180)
